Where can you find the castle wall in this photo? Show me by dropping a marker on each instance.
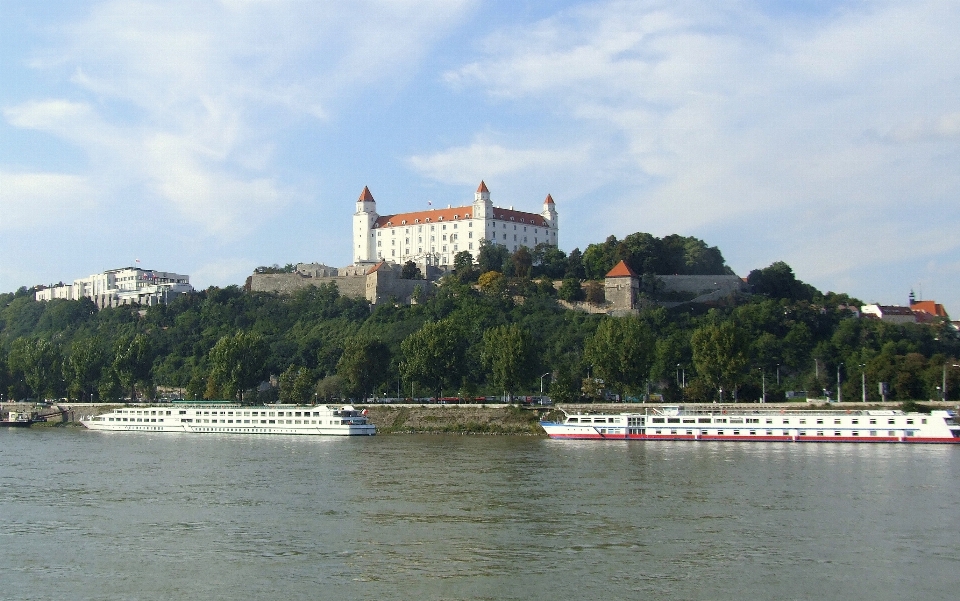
(286, 283)
(702, 284)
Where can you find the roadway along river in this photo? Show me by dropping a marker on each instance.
(91, 515)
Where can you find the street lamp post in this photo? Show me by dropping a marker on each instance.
(945, 365)
(678, 375)
(839, 393)
(541, 382)
(778, 375)
(863, 382)
(763, 383)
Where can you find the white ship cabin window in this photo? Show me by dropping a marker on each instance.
(891, 433)
(673, 420)
(873, 421)
(836, 421)
(572, 420)
(720, 420)
(803, 421)
(854, 421)
(837, 433)
(891, 421)
(910, 422)
(769, 421)
(703, 420)
(819, 432)
(786, 422)
(856, 433)
(736, 432)
(753, 432)
(923, 420)
(753, 420)
(802, 433)
(873, 432)
(769, 432)
(819, 421)
(689, 420)
(658, 420)
(719, 432)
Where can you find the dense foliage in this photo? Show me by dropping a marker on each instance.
(485, 332)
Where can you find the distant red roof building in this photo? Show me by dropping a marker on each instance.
(929, 307)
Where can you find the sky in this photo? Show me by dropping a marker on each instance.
(211, 137)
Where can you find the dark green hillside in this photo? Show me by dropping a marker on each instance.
(487, 332)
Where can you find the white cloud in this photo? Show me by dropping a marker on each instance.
(840, 127)
(30, 199)
(483, 159)
(182, 103)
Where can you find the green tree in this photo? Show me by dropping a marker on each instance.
(493, 283)
(522, 262)
(621, 352)
(492, 256)
(509, 354)
(570, 290)
(238, 362)
(434, 355)
(463, 267)
(720, 355)
(37, 363)
(296, 384)
(83, 366)
(132, 360)
(410, 271)
(575, 269)
(363, 365)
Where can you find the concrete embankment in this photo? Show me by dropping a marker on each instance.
(455, 419)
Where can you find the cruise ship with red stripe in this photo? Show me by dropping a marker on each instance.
(229, 418)
(736, 424)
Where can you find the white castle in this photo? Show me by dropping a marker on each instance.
(435, 236)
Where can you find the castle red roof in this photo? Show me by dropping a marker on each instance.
(621, 270)
(455, 214)
(482, 187)
(548, 200)
(365, 196)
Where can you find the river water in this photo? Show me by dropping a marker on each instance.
(94, 515)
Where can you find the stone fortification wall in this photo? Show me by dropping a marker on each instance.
(702, 284)
(285, 283)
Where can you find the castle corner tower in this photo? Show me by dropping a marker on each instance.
(363, 221)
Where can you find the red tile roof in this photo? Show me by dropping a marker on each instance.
(621, 270)
(365, 196)
(482, 187)
(929, 306)
(548, 200)
(376, 267)
(454, 214)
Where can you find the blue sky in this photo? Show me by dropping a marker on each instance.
(208, 138)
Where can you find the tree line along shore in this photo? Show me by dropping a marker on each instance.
(494, 328)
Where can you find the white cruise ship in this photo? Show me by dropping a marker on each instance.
(236, 419)
(736, 424)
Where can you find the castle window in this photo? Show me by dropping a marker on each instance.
(456, 217)
(467, 216)
(416, 221)
(444, 226)
(470, 245)
(393, 253)
(469, 234)
(440, 218)
(469, 224)
(454, 247)
(406, 241)
(444, 237)
(511, 219)
(427, 220)
(444, 248)
(404, 222)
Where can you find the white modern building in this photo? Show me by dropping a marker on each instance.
(124, 286)
(435, 236)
